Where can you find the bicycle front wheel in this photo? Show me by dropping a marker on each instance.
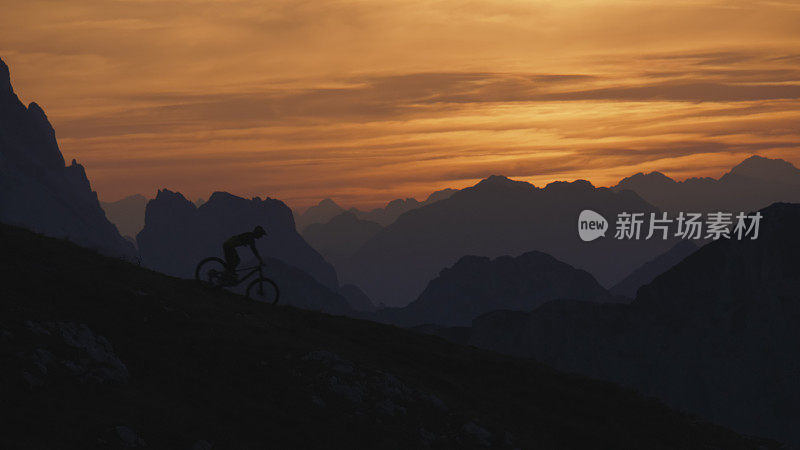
(210, 272)
(263, 290)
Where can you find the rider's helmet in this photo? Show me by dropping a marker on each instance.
(259, 231)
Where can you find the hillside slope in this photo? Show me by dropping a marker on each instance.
(99, 353)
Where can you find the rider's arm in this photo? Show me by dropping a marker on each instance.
(255, 252)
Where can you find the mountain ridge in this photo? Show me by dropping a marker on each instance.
(754, 183)
(496, 217)
(38, 190)
(715, 335)
(476, 285)
(178, 234)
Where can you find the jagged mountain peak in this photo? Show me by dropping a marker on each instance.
(502, 181)
(5, 79)
(137, 197)
(767, 169)
(166, 194)
(177, 234)
(440, 195)
(577, 185)
(654, 178)
(223, 197)
(496, 179)
(39, 190)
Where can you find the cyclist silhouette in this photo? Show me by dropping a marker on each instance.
(240, 240)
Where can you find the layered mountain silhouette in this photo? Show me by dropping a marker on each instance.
(37, 189)
(127, 214)
(753, 184)
(651, 269)
(715, 335)
(340, 237)
(322, 212)
(177, 234)
(395, 208)
(327, 209)
(497, 217)
(476, 285)
(102, 353)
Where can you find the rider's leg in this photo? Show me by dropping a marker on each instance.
(231, 262)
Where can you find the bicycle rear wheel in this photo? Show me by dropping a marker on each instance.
(263, 290)
(210, 272)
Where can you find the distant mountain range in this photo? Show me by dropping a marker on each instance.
(497, 217)
(715, 335)
(327, 209)
(712, 330)
(753, 184)
(178, 235)
(476, 285)
(651, 269)
(341, 236)
(37, 189)
(127, 214)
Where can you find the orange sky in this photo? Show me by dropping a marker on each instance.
(364, 101)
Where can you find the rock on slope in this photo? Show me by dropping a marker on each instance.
(37, 190)
(110, 355)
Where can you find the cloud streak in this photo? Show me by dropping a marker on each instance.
(369, 100)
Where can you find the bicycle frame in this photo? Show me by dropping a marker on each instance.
(255, 270)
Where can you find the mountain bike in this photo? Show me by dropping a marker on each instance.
(211, 272)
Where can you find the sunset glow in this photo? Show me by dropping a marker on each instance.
(364, 101)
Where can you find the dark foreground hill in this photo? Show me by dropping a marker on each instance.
(99, 353)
